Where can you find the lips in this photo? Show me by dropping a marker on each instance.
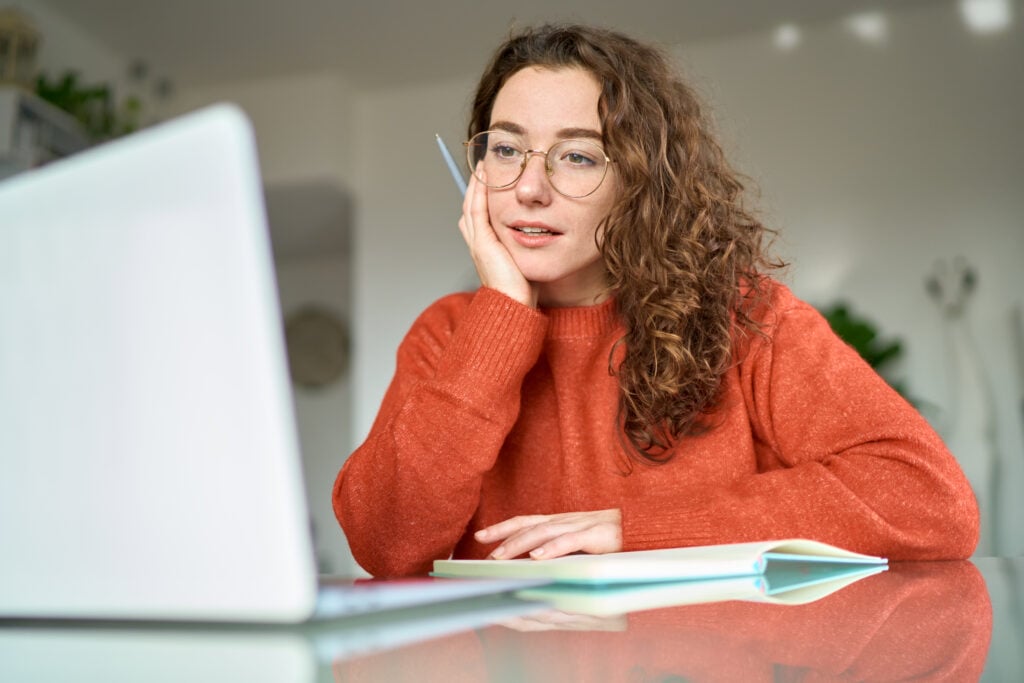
(533, 228)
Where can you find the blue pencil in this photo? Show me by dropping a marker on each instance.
(456, 174)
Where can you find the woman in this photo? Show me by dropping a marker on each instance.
(628, 377)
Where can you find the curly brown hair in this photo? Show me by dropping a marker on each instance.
(685, 259)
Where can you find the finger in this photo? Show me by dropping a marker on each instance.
(479, 218)
(502, 530)
(575, 541)
(530, 539)
(600, 532)
(474, 180)
(466, 220)
(545, 536)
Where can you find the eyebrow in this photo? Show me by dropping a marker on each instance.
(564, 133)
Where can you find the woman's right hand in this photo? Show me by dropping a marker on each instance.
(494, 264)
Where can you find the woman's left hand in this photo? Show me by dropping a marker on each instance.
(547, 536)
(494, 264)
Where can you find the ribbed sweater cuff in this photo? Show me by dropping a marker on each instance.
(648, 526)
(498, 339)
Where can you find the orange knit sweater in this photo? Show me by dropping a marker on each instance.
(497, 409)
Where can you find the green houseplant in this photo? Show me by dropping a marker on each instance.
(94, 106)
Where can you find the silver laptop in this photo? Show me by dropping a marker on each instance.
(149, 463)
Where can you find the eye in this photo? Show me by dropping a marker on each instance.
(579, 155)
(505, 150)
(577, 159)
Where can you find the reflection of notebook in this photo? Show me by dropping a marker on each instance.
(147, 441)
(789, 585)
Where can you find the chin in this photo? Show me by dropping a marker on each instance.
(539, 275)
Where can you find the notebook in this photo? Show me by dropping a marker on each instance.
(794, 556)
(148, 445)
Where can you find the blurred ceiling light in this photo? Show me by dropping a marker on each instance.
(986, 16)
(787, 36)
(871, 27)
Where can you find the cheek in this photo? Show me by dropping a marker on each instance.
(603, 209)
(598, 215)
(609, 196)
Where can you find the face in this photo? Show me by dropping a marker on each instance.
(546, 106)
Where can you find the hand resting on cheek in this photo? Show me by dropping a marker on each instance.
(494, 264)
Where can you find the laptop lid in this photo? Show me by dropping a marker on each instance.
(148, 450)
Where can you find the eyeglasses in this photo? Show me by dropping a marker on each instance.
(575, 168)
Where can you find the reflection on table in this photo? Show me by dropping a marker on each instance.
(948, 621)
(920, 621)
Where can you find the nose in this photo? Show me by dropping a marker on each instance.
(534, 186)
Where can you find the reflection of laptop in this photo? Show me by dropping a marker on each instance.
(148, 450)
(45, 652)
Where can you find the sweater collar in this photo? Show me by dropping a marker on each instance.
(582, 321)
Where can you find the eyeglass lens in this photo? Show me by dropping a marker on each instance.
(575, 168)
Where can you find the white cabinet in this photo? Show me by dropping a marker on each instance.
(33, 131)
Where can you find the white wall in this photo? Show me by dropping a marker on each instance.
(304, 130)
(304, 124)
(323, 413)
(874, 161)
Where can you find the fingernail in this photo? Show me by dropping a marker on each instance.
(536, 553)
(497, 553)
(481, 535)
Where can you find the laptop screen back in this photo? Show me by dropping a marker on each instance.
(148, 450)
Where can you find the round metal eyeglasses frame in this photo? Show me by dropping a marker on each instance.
(472, 144)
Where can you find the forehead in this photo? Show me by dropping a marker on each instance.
(543, 101)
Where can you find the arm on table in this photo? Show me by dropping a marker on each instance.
(405, 497)
(842, 459)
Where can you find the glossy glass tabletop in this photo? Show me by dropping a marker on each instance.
(941, 621)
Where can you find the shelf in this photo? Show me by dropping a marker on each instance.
(33, 131)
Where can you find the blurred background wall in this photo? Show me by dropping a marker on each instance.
(884, 142)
